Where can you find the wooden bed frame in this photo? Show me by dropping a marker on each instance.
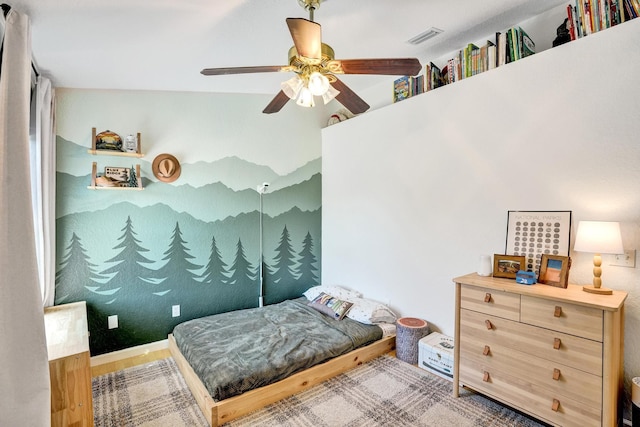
(218, 413)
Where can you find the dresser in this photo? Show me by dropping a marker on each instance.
(69, 365)
(550, 352)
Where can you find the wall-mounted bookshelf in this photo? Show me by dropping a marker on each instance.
(582, 19)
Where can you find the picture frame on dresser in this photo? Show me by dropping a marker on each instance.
(533, 233)
(554, 270)
(506, 266)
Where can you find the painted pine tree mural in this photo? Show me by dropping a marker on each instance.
(137, 301)
(242, 286)
(284, 261)
(215, 272)
(306, 268)
(76, 275)
(178, 276)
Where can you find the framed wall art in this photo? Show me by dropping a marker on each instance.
(507, 265)
(554, 270)
(535, 233)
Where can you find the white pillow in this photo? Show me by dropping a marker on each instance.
(335, 291)
(370, 312)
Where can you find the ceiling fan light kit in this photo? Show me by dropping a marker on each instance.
(315, 67)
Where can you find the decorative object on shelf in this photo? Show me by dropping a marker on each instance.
(133, 178)
(108, 140)
(340, 116)
(131, 144)
(166, 168)
(105, 181)
(598, 237)
(117, 174)
(562, 33)
(114, 178)
(533, 233)
(554, 270)
(409, 331)
(110, 144)
(526, 277)
(484, 266)
(507, 265)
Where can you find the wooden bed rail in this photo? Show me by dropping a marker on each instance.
(218, 413)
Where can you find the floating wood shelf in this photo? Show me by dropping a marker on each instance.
(96, 151)
(94, 175)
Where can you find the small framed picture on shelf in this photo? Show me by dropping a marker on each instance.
(554, 270)
(117, 174)
(507, 265)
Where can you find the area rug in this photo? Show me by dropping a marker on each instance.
(383, 392)
(150, 395)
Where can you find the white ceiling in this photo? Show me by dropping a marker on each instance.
(163, 45)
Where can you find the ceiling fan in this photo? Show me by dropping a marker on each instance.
(315, 68)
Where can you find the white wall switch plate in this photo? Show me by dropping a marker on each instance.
(113, 321)
(175, 310)
(627, 259)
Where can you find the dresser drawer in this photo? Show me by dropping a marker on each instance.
(562, 316)
(490, 301)
(559, 379)
(558, 347)
(528, 397)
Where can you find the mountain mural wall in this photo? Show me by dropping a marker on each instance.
(193, 244)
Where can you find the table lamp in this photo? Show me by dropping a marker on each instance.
(598, 237)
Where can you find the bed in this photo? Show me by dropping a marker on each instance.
(237, 362)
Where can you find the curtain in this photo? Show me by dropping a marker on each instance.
(43, 183)
(24, 377)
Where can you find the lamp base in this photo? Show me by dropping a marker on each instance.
(594, 290)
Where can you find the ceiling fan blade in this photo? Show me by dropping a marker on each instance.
(349, 99)
(387, 66)
(241, 70)
(276, 103)
(307, 37)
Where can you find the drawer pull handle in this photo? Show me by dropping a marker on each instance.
(485, 377)
(556, 374)
(487, 297)
(486, 350)
(556, 343)
(488, 323)
(558, 311)
(556, 405)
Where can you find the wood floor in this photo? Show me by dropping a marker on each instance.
(106, 368)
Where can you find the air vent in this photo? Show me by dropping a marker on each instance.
(423, 37)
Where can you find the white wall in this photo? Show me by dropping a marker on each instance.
(414, 192)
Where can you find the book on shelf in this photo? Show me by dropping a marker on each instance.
(525, 44)
(401, 88)
(590, 16)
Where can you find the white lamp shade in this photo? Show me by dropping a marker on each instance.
(292, 87)
(318, 84)
(330, 94)
(305, 99)
(600, 237)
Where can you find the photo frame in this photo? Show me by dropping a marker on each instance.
(534, 233)
(507, 265)
(554, 270)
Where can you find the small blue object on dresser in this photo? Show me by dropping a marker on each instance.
(526, 277)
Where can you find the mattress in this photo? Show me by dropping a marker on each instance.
(242, 350)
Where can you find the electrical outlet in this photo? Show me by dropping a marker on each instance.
(113, 321)
(175, 310)
(627, 259)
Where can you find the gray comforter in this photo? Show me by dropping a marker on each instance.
(241, 350)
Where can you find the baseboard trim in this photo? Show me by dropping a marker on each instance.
(126, 353)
